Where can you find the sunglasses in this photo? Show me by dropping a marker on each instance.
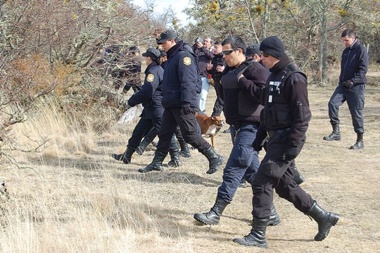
(227, 52)
(265, 54)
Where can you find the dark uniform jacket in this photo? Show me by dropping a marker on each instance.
(182, 82)
(150, 96)
(286, 102)
(218, 60)
(204, 58)
(354, 64)
(242, 98)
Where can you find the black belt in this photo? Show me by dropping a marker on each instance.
(277, 131)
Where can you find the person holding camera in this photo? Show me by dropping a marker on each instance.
(202, 49)
(215, 69)
(351, 88)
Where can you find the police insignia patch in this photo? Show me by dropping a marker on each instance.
(187, 61)
(150, 78)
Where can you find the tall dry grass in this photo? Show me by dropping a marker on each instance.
(69, 195)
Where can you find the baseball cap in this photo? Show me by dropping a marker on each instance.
(252, 50)
(152, 53)
(167, 35)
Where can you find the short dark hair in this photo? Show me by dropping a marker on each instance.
(235, 42)
(349, 33)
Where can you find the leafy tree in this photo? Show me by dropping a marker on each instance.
(305, 26)
(49, 47)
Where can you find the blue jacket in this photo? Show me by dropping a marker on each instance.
(354, 64)
(150, 95)
(182, 83)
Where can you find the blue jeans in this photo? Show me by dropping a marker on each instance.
(204, 93)
(242, 163)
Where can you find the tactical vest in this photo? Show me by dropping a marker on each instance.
(277, 113)
(237, 105)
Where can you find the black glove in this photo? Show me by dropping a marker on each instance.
(291, 153)
(261, 137)
(257, 145)
(348, 84)
(187, 108)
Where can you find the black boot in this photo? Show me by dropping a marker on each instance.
(185, 151)
(126, 156)
(257, 236)
(298, 178)
(156, 164)
(324, 219)
(174, 158)
(335, 135)
(274, 218)
(149, 137)
(213, 216)
(359, 142)
(141, 148)
(214, 160)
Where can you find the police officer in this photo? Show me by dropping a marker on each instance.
(286, 119)
(185, 151)
(351, 88)
(150, 97)
(254, 53)
(240, 88)
(181, 86)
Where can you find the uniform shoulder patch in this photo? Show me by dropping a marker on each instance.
(150, 78)
(187, 60)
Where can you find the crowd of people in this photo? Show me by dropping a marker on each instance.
(263, 96)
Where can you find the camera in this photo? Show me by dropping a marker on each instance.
(198, 40)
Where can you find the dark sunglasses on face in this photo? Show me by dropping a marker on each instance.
(265, 54)
(227, 52)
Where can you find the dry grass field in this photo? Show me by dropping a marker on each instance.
(72, 196)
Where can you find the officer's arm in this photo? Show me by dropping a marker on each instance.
(189, 78)
(252, 83)
(146, 92)
(362, 67)
(297, 96)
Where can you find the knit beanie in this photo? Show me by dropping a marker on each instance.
(273, 46)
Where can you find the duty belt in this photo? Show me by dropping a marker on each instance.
(271, 133)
